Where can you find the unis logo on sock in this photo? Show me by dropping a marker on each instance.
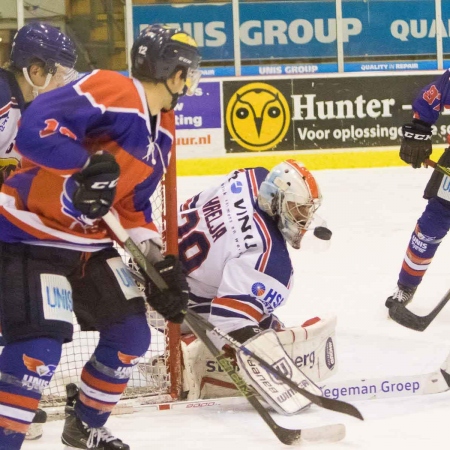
(38, 366)
(258, 289)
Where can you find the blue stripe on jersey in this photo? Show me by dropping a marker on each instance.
(278, 264)
(22, 183)
(254, 179)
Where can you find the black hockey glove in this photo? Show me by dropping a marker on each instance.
(171, 303)
(416, 143)
(96, 185)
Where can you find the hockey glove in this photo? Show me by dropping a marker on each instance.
(416, 143)
(171, 303)
(97, 183)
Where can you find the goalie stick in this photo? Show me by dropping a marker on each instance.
(398, 311)
(331, 433)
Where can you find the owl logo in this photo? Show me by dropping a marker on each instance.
(258, 116)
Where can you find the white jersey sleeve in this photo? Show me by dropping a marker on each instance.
(237, 260)
(11, 106)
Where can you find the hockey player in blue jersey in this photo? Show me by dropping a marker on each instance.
(42, 59)
(434, 223)
(97, 144)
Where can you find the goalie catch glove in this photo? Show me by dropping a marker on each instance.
(172, 302)
(416, 143)
(97, 183)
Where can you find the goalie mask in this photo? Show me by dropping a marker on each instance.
(291, 195)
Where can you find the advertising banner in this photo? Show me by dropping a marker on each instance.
(199, 122)
(306, 29)
(320, 113)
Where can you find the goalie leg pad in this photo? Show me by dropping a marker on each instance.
(280, 397)
(311, 346)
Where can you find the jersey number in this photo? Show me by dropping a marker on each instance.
(193, 246)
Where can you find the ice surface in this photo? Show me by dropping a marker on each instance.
(372, 213)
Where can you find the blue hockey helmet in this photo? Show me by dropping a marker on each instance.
(38, 40)
(159, 51)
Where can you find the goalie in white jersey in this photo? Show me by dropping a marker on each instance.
(233, 244)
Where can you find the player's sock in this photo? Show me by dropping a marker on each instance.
(106, 374)
(26, 369)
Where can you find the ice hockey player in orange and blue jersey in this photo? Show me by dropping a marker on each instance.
(100, 143)
(434, 223)
(104, 111)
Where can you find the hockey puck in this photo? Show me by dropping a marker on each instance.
(322, 233)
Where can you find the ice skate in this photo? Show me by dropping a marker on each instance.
(77, 434)
(36, 428)
(402, 294)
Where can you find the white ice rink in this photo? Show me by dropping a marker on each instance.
(371, 213)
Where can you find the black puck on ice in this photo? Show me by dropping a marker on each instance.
(322, 233)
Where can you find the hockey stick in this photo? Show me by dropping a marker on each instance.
(330, 433)
(408, 319)
(398, 311)
(150, 271)
(289, 437)
(438, 167)
(327, 403)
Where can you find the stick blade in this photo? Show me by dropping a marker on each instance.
(408, 319)
(326, 433)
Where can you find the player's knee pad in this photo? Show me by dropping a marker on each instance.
(131, 336)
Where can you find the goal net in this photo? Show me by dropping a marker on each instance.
(157, 377)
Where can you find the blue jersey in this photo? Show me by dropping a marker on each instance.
(432, 99)
(59, 131)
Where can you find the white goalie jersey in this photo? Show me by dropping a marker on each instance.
(237, 260)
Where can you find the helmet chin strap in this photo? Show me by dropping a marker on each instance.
(36, 89)
(175, 96)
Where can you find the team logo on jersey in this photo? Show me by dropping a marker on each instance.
(128, 359)
(38, 366)
(258, 289)
(258, 116)
(236, 187)
(69, 209)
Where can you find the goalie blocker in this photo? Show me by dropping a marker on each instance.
(307, 355)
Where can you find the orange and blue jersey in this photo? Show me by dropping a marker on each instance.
(433, 99)
(103, 111)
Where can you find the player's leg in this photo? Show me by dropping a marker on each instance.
(106, 299)
(428, 234)
(36, 318)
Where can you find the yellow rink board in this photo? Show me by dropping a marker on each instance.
(313, 160)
